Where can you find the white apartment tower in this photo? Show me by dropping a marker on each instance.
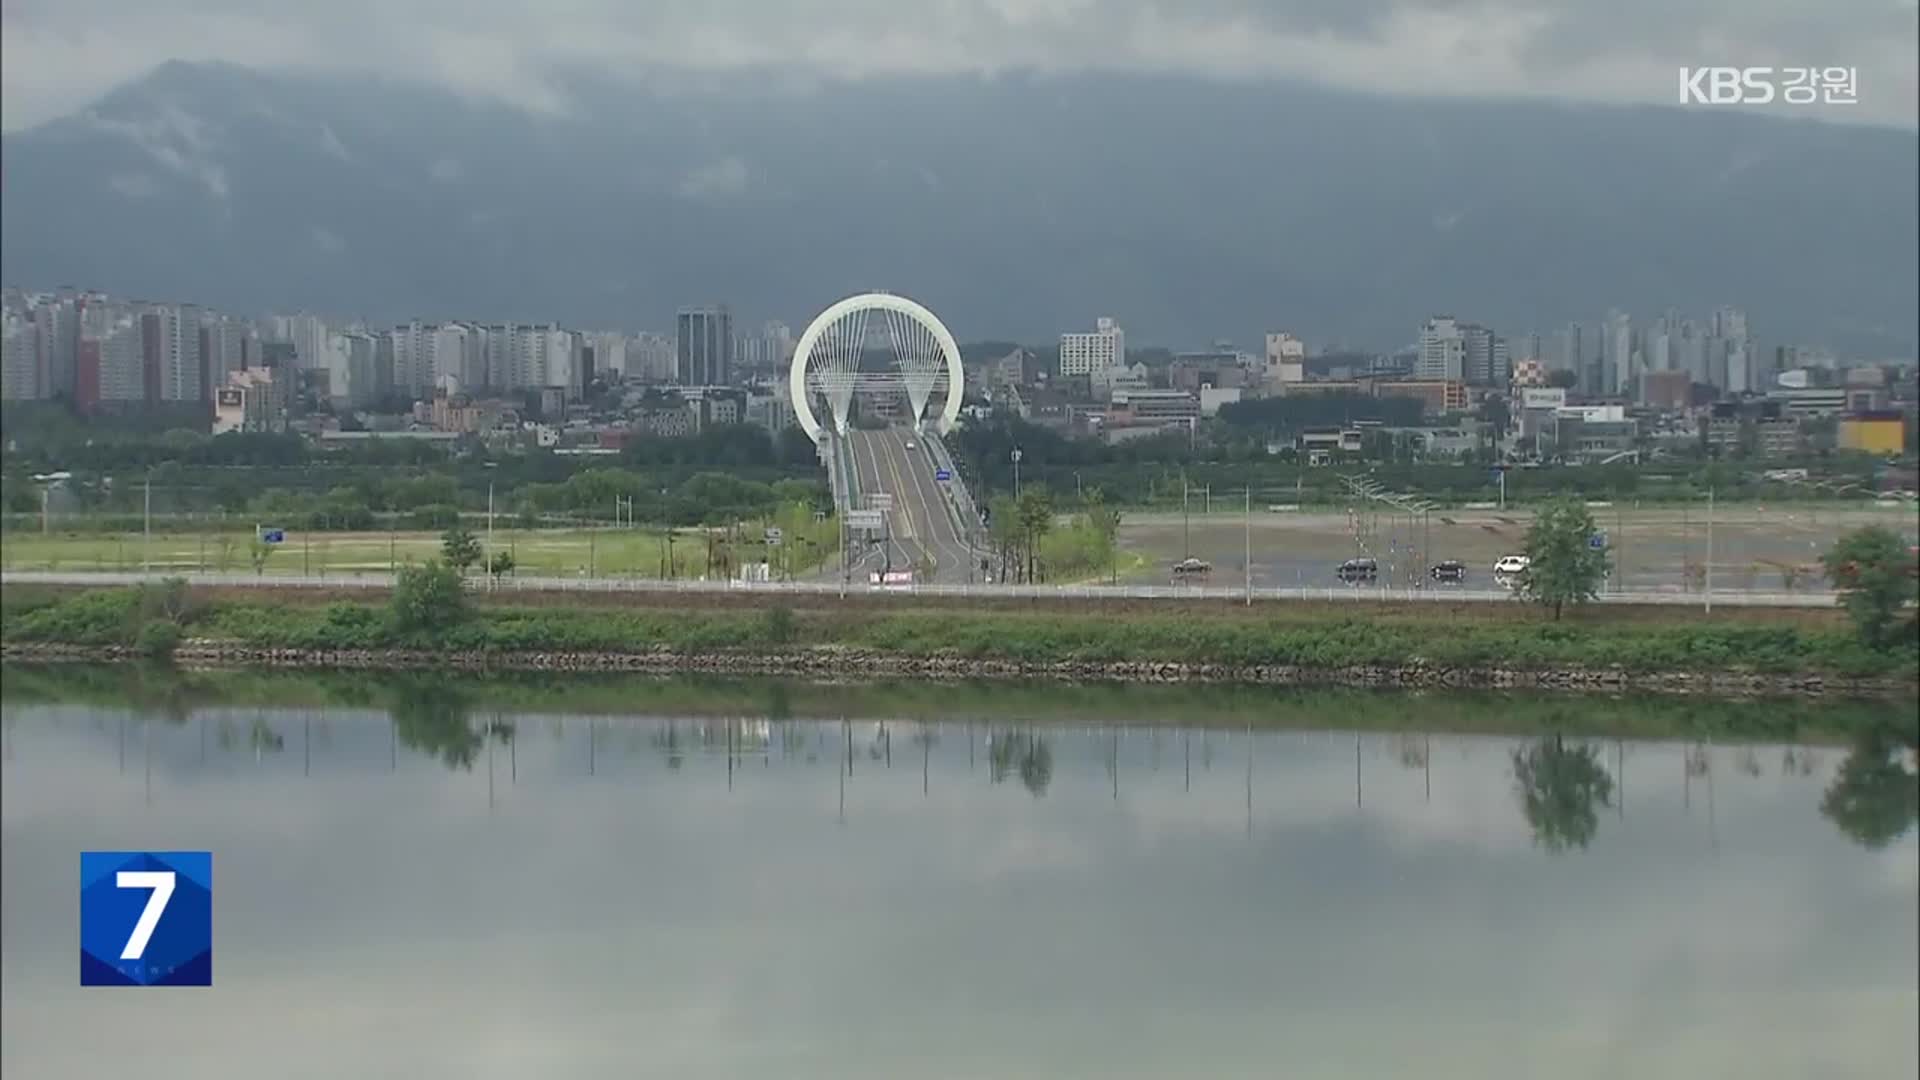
(1442, 350)
(1617, 333)
(1083, 354)
(1286, 359)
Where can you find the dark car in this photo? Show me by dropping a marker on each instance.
(1449, 572)
(1356, 571)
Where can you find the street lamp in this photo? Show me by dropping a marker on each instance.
(489, 555)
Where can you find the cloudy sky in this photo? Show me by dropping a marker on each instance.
(57, 55)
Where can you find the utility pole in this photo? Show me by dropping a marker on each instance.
(1709, 550)
(489, 566)
(1619, 563)
(1503, 487)
(1249, 545)
(146, 526)
(1016, 473)
(1186, 529)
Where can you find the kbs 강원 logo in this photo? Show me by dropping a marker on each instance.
(1765, 85)
(146, 918)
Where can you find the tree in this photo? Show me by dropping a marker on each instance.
(501, 565)
(459, 548)
(1564, 567)
(258, 552)
(429, 598)
(1104, 520)
(1875, 575)
(1561, 789)
(1003, 528)
(1036, 521)
(1874, 798)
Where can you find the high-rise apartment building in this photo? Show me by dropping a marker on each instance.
(109, 370)
(1616, 336)
(415, 349)
(1442, 352)
(703, 346)
(19, 358)
(651, 356)
(1486, 361)
(1656, 346)
(1570, 350)
(1690, 352)
(1105, 348)
(173, 366)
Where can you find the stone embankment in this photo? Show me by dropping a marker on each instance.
(833, 662)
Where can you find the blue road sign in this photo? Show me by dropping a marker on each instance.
(942, 474)
(273, 536)
(1598, 541)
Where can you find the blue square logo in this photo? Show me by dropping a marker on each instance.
(146, 918)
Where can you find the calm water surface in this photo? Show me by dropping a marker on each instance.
(620, 896)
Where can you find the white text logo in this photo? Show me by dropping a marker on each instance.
(1765, 85)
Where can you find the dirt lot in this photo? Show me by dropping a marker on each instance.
(1754, 547)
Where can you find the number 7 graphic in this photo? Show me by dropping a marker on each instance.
(161, 882)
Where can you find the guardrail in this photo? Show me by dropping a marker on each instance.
(1331, 594)
(960, 505)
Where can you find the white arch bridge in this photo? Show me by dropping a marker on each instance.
(895, 486)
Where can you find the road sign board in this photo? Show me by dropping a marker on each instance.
(1598, 541)
(942, 474)
(273, 536)
(880, 500)
(863, 519)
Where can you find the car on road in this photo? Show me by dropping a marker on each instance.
(1448, 572)
(1511, 565)
(1191, 568)
(1358, 571)
(909, 444)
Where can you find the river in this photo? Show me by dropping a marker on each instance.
(450, 880)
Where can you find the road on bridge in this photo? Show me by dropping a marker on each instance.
(924, 532)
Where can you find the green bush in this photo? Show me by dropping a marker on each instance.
(157, 640)
(428, 599)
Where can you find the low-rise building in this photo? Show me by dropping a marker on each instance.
(1436, 396)
(1212, 397)
(1874, 432)
(1577, 438)
(251, 400)
(1139, 408)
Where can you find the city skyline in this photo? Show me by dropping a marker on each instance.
(142, 350)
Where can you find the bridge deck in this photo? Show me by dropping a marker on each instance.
(925, 522)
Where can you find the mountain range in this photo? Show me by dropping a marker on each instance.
(1016, 207)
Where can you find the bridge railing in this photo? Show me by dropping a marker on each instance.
(960, 501)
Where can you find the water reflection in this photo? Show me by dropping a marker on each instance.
(1874, 798)
(1562, 789)
(722, 893)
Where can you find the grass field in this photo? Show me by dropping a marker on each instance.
(544, 552)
